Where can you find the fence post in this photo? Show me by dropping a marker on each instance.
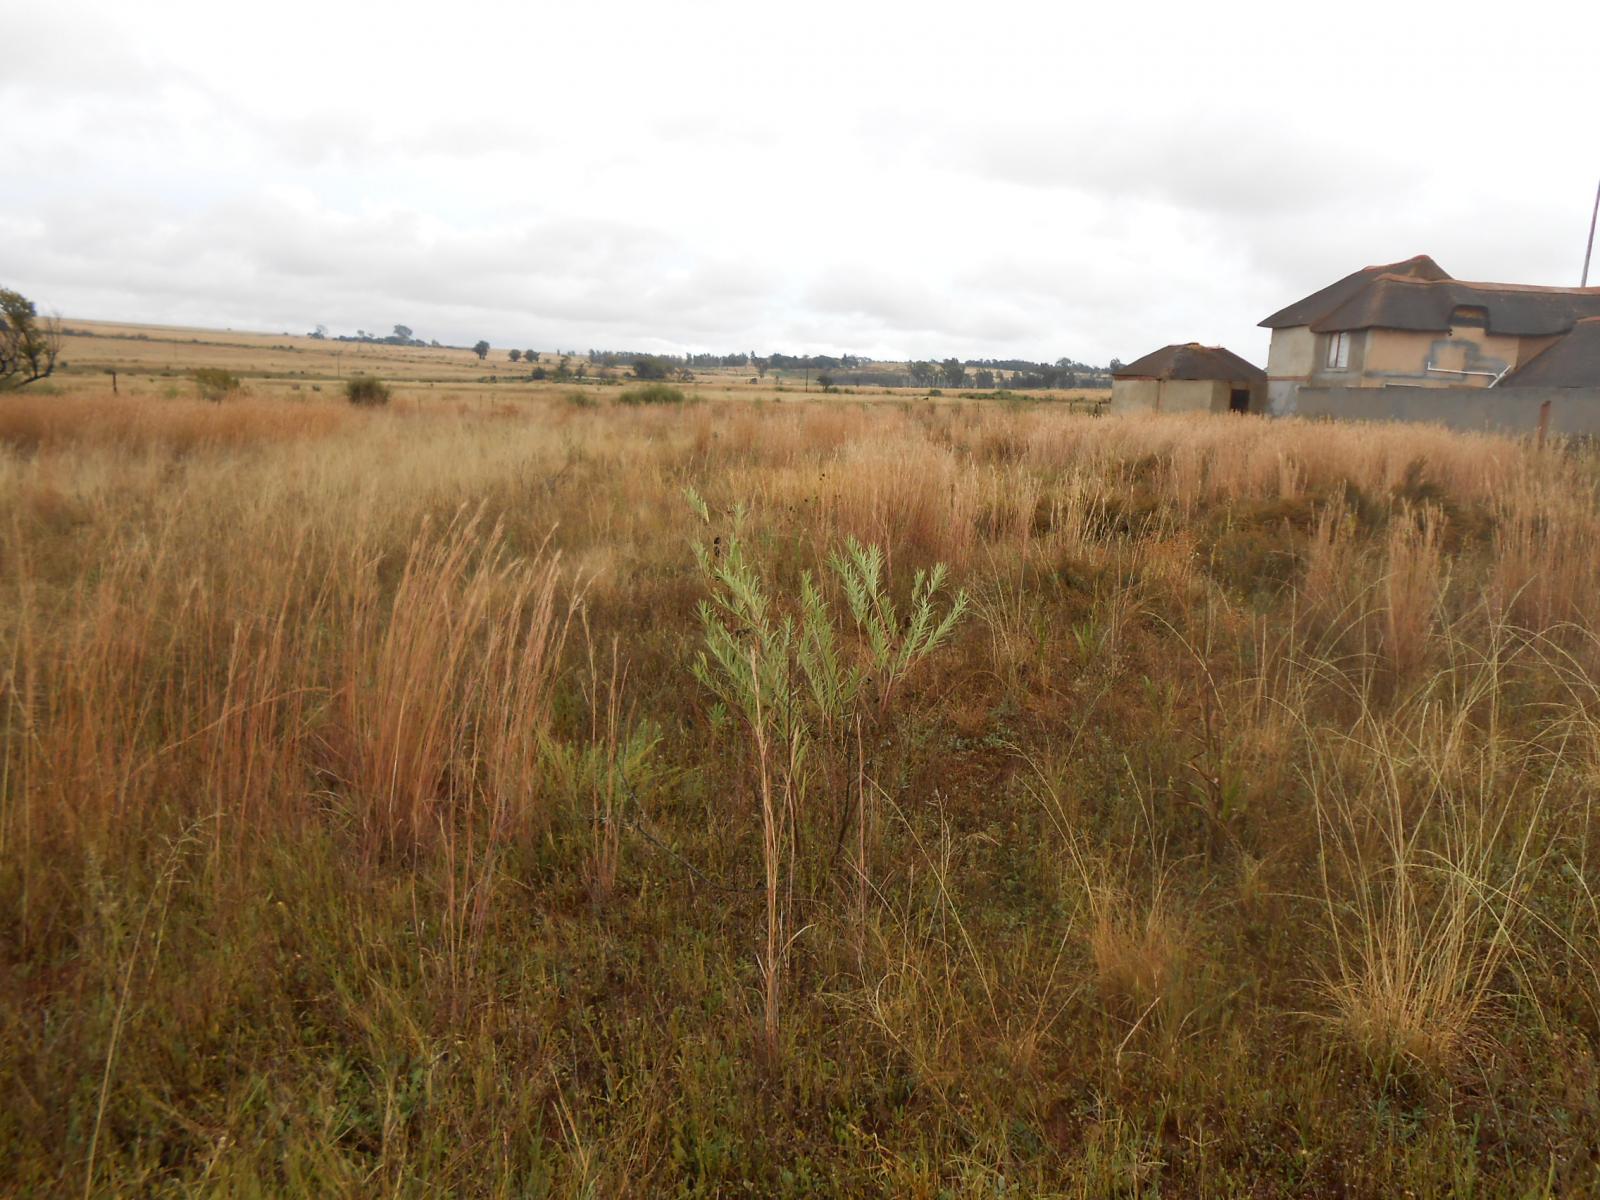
(1544, 423)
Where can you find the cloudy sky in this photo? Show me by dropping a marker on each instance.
(989, 179)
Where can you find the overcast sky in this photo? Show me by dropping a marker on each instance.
(988, 179)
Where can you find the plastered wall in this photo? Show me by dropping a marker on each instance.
(1181, 395)
(1502, 410)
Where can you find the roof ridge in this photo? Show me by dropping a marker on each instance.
(1527, 287)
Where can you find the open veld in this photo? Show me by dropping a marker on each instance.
(547, 795)
(159, 360)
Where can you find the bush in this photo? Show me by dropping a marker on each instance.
(366, 391)
(652, 393)
(581, 399)
(213, 383)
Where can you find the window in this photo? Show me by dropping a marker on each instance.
(1338, 352)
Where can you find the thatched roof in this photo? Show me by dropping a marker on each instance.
(1574, 361)
(1417, 295)
(1320, 303)
(1192, 361)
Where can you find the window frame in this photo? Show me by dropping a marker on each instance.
(1337, 357)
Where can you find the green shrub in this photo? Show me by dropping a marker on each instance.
(366, 391)
(653, 393)
(213, 383)
(579, 398)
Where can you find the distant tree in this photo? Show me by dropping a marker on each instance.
(481, 349)
(29, 346)
(952, 370)
(515, 356)
(1116, 364)
(984, 378)
(761, 366)
(531, 355)
(320, 332)
(922, 373)
(825, 381)
(403, 332)
(563, 371)
(646, 367)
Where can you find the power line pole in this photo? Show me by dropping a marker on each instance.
(1589, 249)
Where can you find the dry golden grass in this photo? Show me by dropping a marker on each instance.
(364, 827)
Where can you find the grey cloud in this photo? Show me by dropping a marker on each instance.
(750, 179)
(1212, 163)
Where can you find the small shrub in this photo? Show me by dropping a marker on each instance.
(213, 383)
(366, 391)
(579, 398)
(653, 393)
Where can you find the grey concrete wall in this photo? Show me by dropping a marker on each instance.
(1499, 410)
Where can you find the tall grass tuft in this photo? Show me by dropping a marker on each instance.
(1426, 867)
(459, 656)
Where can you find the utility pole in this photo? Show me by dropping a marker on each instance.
(1589, 249)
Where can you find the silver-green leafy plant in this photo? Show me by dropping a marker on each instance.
(804, 691)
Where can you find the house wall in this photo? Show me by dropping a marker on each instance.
(1134, 395)
(1381, 357)
(1289, 362)
(1394, 355)
(1501, 409)
(1194, 395)
(1181, 395)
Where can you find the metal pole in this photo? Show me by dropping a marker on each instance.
(1589, 249)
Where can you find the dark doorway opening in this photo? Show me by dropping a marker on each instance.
(1239, 400)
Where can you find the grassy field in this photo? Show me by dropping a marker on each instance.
(513, 792)
(158, 360)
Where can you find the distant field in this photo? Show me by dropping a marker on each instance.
(516, 792)
(157, 358)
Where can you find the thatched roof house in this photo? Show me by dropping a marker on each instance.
(1189, 378)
